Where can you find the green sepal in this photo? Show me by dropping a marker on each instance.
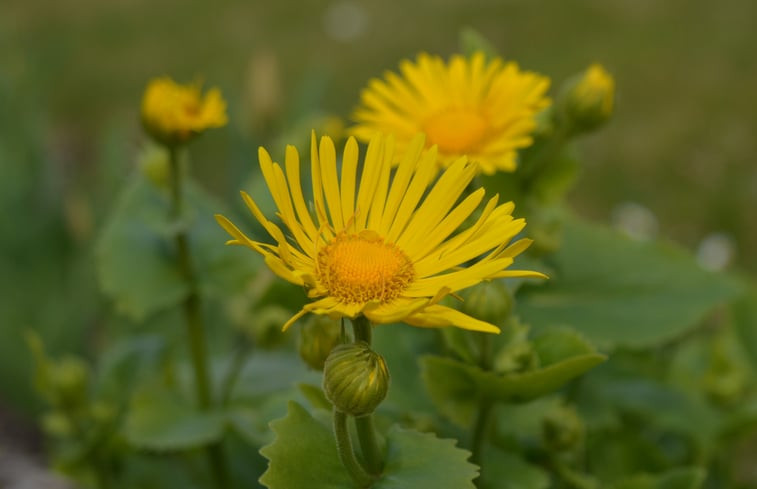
(304, 455)
(457, 388)
(619, 292)
(162, 421)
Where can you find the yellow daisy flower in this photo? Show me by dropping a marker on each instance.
(388, 248)
(174, 113)
(483, 109)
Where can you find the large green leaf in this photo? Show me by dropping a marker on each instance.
(458, 388)
(304, 455)
(136, 258)
(622, 292)
(161, 421)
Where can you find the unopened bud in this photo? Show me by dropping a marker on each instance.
(69, 378)
(587, 100)
(488, 301)
(562, 428)
(318, 337)
(355, 378)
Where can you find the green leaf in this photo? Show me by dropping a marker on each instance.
(680, 478)
(457, 387)
(304, 455)
(161, 421)
(619, 292)
(506, 470)
(745, 323)
(135, 251)
(417, 460)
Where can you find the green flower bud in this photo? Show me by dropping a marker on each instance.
(488, 301)
(355, 378)
(69, 379)
(562, 428)
(318, 337)
(587, 100)
(57, 424)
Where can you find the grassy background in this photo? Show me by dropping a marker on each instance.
(682, 142)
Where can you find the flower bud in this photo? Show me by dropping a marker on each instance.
(488, 301)
(69, 379)
(318, 337)
(586, 101)
(154, 165)
(355, 378)
(562, 428)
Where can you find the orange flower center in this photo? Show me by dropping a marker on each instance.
(456, 131)
(359, 268)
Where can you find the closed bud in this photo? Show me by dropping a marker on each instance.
(587, 100)
(355, 378)
(318, 337)
(562, 428)
(70, 378)
(154, 165)
(488, 301)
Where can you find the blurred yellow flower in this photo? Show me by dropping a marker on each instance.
(174, 113)
(469, 106)
(381, 249)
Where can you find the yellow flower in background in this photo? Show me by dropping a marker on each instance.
(380, 248)
(469, 106)
(588, 99)
(173, 113)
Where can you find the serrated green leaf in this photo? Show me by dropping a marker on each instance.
(457, 388)
(621, 292)
(135, 251)
(303, 454)
(680, 478)
(417, 460)
(161, 421)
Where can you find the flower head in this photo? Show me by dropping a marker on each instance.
(469, 106)
(174, 113)
(389, 248)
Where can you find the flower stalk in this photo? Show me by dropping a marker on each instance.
(193, 315)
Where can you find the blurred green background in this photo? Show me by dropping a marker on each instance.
(681, 144)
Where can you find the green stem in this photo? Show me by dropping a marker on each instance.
(361, 327)
(235, 368)
(193, 316)
(347, 456)
(480, 430)
(366, 432)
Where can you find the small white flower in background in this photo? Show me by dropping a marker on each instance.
(716, 251)
(635, 220)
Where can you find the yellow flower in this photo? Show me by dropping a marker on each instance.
(483, 109)
(381, 249)
(174, 113)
